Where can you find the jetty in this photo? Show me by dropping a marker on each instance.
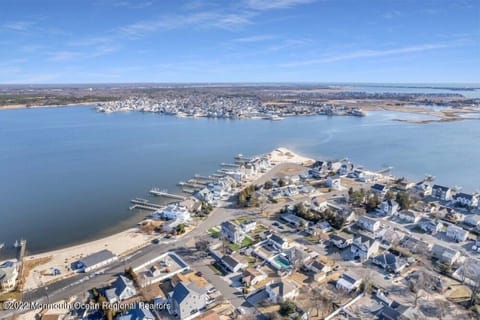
(232, 165)
(388, 169)
(164, 193)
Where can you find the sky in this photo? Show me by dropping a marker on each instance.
(112, 41)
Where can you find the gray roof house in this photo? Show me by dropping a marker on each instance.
(281, 291)
(187, 300)
(122, 289)
(390, 262)
(444, 254)
(232, 232)
(363, 247)
(137, 313)
(96, 260)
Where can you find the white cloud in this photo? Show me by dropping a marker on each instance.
(18, 25)
(274, 4)
(371, 54)
(257, 38)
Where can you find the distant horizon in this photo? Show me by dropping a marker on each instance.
(246, 83)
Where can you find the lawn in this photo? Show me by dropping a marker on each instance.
(242, 219)
(246, 242)
(214, 232)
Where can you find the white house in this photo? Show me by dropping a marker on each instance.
(379, 189)
(456, 233)
(410, 216)
(341, 240)
(281, 291)
(234, 262)
(369, 224)
(363, 247)
(334, 183)
(8, 275)
(430, 226)
(388, 208)
(252, 276)
(278, 242)
(172, 212)
(441, 192)
(468, 200)
(122, 289)
(319, 269)
(248, 226)
(232, 232)
(348, 282)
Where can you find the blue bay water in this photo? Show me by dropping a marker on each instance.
(67, 174)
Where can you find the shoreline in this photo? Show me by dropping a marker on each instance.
(447, 115)
(121, 243)
(23, 106)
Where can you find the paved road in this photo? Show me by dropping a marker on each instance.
(78, 284)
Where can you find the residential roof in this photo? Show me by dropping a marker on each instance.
(341, 236)
(277, 239)
(229, 225)
(443, 188)
(230, 261)
(119, 286)
(182, 291)
(464, 195)
(282, 288)
(97, 257)
(350, 278)
(379, 187)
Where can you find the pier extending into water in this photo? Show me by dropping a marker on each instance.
(139, 203)
(164, 193)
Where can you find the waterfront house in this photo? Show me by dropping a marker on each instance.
(281, 291)
(233, 262)
(364, 247)
(96, 260)
(252, 276)
(410, 216)
(369, 224)
(472, 220)
(379, 189)
(429, 225)
(186, 300)
(466, 199)
(232, 232)
(136, 313)
(348, 282)
(121, 289)
(204, 194)
(8, 275)
(278, 242)
(405, 185)
(341, 240)
(457, 233)
(424, 189)
(390, 262)
(172, 212)
(441, 192)
(248, 226)
(388, 208)
(444, 254)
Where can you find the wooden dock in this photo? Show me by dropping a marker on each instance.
(144, 204)
(164, 193)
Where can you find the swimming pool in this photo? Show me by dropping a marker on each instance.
(282, 262)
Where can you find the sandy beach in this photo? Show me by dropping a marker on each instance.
(39, 267)
(42, 273)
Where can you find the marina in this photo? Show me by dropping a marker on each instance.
(157, 139)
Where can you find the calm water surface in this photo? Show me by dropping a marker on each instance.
(67, 174)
